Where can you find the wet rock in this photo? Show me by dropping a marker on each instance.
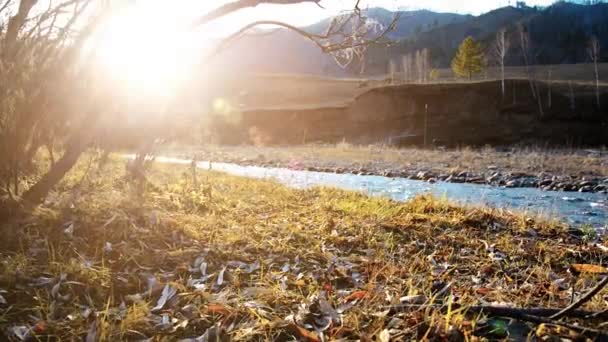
(600, 188)
(514, 183)
(587, 188)
(476, 180)
(584, 183)
(422, 175)
(432, 180)
(565, 186)
(389, 174)
(453, 179)
(494, 177)
(463, 174)
(529, 183)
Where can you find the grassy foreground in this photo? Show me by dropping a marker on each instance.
(220, 257)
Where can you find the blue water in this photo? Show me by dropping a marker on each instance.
(573, 207)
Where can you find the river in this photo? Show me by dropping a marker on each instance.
(575, 208)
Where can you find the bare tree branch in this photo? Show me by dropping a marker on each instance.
(350, 44)
(241, 4)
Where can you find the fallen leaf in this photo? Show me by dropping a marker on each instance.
(213, 334)
(218, 309)
(356, 295)
(21, 332)
(69, 230)
(168, 293)
(40, 327)
(384, 336)
(417, 299)
(220, 277)
(92, 333)
(483, 291)
(588, 269)
(303, 333)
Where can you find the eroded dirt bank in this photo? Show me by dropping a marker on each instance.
(450, 114)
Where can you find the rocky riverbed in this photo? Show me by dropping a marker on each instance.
(500, 176)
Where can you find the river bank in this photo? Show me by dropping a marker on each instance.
(199, 255)
(546, 169)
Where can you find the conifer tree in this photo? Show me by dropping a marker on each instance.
(469, 60)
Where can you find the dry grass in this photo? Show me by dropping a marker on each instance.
(253, 260)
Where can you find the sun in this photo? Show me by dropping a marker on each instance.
(146, 50)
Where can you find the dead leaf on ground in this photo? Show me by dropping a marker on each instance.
(218, 309)
(168, 293)
(356, 295)
(302, 333)
(588, 269)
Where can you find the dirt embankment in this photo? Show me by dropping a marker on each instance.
(450, 114)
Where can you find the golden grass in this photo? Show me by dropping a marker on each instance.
(271, 252)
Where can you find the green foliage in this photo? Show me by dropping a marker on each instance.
(469, 60)
(434, 74)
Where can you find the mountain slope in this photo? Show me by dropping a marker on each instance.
(287, 52)
(558, 34)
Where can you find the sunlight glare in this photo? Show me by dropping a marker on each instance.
(144, 49)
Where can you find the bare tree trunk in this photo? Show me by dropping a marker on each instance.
(594, 53)
(38, 192)
(597, 85)
(571, 96)
(501, 47)
(502, 76)
(541, 111)
(524, 38)
(76, 145)
(549, 96)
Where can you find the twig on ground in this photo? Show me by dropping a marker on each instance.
(582, 300)
(507, 311)
(533, 315)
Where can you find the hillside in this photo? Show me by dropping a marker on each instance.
(558, 35)
(286, 52)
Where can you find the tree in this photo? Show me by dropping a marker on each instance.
(48, 80)
(524, 43)
(406, 63)
(501, 47)
(594, 53)
(392, 71)
(44, 76)
(469, 60)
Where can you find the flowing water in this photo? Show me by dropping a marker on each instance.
(576, 208)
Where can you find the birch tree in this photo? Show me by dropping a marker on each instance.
(501, 48)
(425, 62)
(405, 64)
(392, 71)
